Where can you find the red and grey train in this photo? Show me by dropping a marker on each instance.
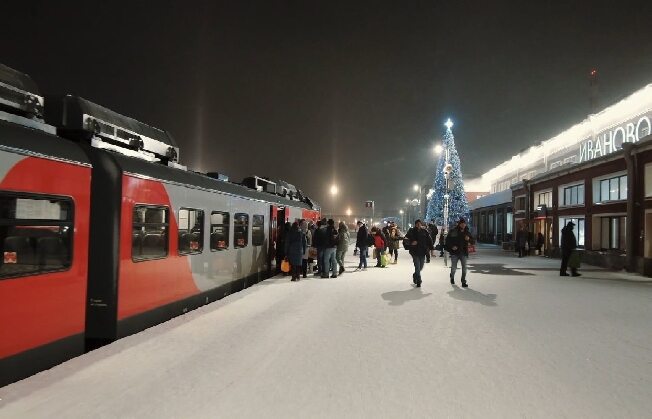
(104, 234)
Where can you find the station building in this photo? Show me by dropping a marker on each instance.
(597, 174)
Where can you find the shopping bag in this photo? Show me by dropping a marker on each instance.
(384, 260)
(285, 266)
(312, 252)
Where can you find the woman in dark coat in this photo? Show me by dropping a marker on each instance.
(295, 247)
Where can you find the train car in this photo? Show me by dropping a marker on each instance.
(165, 240)
(44, 233)
(103, 233)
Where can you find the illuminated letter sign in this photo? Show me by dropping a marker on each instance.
(607, 142)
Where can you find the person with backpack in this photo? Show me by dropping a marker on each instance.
(457, 244)
(361, 244)
(419, 243)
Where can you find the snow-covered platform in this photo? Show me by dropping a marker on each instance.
(520, 342)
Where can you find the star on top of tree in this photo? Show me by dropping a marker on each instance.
(449, 124)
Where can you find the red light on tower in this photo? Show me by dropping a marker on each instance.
(594, 72)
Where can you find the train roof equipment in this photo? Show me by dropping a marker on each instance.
(82, 119)
(19, 94)
(260, 184)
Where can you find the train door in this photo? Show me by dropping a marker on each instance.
(271, 251)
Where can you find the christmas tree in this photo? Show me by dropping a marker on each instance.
(449, 161)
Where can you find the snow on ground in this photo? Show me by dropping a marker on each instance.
(520, 342)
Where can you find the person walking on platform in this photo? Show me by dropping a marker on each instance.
(419, 244)
(394, 241)
(330, 263)
(433, 231)
(343, 238)
(568, 246)
(521, 241)
(457, 244)
(361, 244)
(295, 248)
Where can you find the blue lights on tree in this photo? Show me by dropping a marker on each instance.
(458, 206)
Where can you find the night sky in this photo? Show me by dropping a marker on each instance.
(315, 92)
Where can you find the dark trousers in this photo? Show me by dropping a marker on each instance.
(363, 258)
(521, 251)
(419, 261)
(320, 259)
(565, 255)
(379, 255)
(304, 267)
(395, 253)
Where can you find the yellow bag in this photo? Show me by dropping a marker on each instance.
(285, 266)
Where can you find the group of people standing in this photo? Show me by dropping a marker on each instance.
(303, 243)
(386, 242)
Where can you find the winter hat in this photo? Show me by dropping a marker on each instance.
(462, 220)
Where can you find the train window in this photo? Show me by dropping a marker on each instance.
(149, 232)
(191, 231)
(219, 230)
(240, 230)
(35, 234)
(258, 230)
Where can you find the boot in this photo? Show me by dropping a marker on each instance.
(341, 269)
(464, 284)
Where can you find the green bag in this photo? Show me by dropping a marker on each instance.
(574, 261)
(384, 260)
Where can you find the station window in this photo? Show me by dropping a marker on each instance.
(544, 198)
(149, 232)
(258, 230)
(573, 195)
(240, 230)
(35, 234)
(191, 231)
(613, 189)
(612, 232)
(219, 230)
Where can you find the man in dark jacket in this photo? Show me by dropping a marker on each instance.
(457, 244)
(319, 241)
(361, 243)
(420, 244)
(330, 263)
(568, 244)
(433, 231)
